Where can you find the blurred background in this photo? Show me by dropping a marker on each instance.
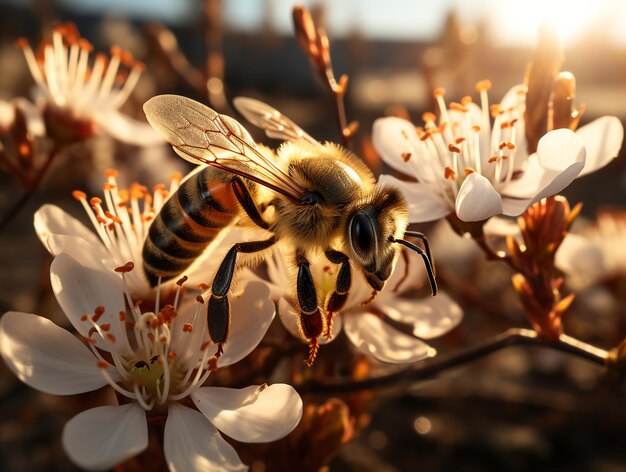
(521, 408)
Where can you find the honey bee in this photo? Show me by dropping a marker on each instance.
(313, 196)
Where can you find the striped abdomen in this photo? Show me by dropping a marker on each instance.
(188, 222)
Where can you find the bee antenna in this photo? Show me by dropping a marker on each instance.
(427, 260)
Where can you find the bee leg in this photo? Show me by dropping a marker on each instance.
(218, 311)
(311, 321)
(247, 203)
(338, 298)
(422, 236)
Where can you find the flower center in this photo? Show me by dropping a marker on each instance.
(464, 142)
(152, 358)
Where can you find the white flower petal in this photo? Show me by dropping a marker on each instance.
(127, 130)
(374, 337)
(559, 149)
(47, 357)
(579, 256)
(425, 203)
(102, 437)
(602, 139)
(78, 248)
(515, 206)
(192, 444)
(394, 138)
(430, 316)
(560, 157)
(251, 315)
(477, 199)
(50, 219)
(79, 290)
(253, 414)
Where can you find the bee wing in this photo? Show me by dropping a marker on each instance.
(274, 123)
(202, 136)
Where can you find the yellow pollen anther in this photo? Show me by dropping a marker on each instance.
(111, 338)
(103, 364)
(107, 186)
(122, 315)
(78, 195)
(476, 128)
(176, 177)
(187, 328)
(453, 148)
(449, 173)
(105, 326)
(458, 107)
(428, 116)
(495, 110)
(199, 299)
(22, 43)
(468, 171)
(182, 280)
(202, 286)
(171, 355)
(439, 92)
(126, 267)
(483, 86)
(406, 156)
(111, 216)
(492, 159)
(460, 140)
(466, 100)
(110, 173)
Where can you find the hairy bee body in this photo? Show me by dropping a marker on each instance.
(205, 203)
(311, 196)
(188, 222)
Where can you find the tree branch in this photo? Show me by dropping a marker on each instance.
(431, 368)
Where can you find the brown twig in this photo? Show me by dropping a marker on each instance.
(430, 369)
(32, 188)
(315, 44)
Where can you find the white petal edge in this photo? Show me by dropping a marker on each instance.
(79, 249)
(430, 316)
(79, 290)
(47, 357)
(251, 315)
(372, 336)
(425, 204)
(579, 256)
(602, 139)
(559, 158)
(100, 438)
(192, 444)
(50, 219)
(254, 414)
(477, 199)
(392, 138)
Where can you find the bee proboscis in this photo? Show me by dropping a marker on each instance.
(313, 196)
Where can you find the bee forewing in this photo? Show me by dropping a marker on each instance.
(274, 123)
(202, 136)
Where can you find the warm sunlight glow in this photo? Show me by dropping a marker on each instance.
(518, 22)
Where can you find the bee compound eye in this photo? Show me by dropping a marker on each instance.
(362, 234)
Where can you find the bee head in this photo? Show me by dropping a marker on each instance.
(373, 225)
